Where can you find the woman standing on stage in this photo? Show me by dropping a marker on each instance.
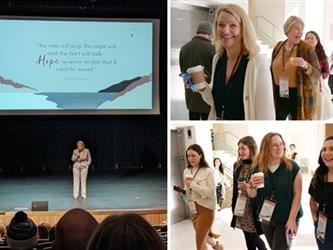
(200, 196)
(82, 160)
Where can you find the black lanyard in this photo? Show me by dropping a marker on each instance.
(195, 172)
(283, 61)
(327, 189)
(194, 177)
(272, 181)
(234, 68)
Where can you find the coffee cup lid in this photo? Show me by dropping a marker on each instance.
(195, 69)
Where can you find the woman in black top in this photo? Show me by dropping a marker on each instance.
(321, 191)
(247, 149)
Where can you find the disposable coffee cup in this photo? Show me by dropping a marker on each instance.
(197, 75)
(188, 176)
(260, 174)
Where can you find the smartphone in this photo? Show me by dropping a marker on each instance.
(179, 189)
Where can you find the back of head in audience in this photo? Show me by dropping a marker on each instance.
(74, 229)
(21, 232)
(125, 232)
(43, 230)
(2, 230)
(52, 233)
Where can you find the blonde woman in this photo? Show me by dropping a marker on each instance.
(241, 87)
(82, 160)
(296, 74)
(278, 202)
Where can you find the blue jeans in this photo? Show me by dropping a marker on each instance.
(328, 243)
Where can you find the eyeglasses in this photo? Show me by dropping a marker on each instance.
(277, 145)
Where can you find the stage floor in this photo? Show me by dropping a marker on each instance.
(121, 190)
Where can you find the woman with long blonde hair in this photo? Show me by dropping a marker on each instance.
(278, 202)
(241, 86)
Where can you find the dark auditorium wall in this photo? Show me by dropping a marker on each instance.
(31, 142)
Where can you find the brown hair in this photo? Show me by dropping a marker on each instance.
(322, 170)
(251, 144)
(195, 147)
(125, 232)
(263, 160)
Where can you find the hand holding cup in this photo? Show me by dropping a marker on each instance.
(298, 61)
(188, 180)
(257, 180)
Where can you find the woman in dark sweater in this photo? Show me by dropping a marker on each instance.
(247, 149)
(321, 191)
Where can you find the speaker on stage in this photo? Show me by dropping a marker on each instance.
(39, 206)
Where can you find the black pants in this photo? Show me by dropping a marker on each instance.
(276, 236)
(198, 116)
(286, 106)
(253, 241)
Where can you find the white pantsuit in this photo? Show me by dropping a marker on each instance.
(82, 161)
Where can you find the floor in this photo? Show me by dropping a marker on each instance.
(130, 189)
(182, 233)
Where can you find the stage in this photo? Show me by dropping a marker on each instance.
(130, 189)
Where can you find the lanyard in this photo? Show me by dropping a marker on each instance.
(285, 61)
(234, 68)
(326, 193)
(194, 177)
(272, 181)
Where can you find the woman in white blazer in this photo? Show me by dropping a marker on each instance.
(82, 160)
(241, 87)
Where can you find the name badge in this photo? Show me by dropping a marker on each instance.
(321, 227)
(267, 211)
(284, 87)
(240, 205)
(193, 209)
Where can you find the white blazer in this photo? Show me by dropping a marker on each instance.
(258, 96)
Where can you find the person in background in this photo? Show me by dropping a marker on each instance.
(241, 87)
(324, 104)
(247, 222)
(43, 230)
(2, 233)
(277, 192)
(296, 73)
(292, 154)
(200, 197)
(82, 160)
(219, 181)
(198, 51)
(330, 79)
(125, 232)
(321, 192)
(313, 39)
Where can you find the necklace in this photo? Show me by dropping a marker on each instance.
(288, 56)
